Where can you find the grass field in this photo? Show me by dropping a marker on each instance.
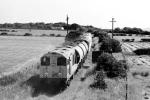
(35, 32)
(15, 50)
(139, 68)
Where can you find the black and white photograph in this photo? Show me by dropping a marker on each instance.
(74, 50)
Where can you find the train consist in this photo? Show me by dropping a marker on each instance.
(64, 61)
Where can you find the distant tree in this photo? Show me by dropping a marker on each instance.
(27, 34)
(74, 26)
(3, 34)
(117, 30)
(146, 33)
(136, 30)
(59, 24)
(17, 25)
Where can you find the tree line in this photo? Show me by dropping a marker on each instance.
(129, 30)
(38, 25)
(42, 25)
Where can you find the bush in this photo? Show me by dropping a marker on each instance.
(144, 51)
(128, 40)
(111, 66)
(95, 55)
(116, 46)
(52, 35)
(13, 31)
(58, 35)
(145, 40)
(44, 35)
(27, 34)
(73, 35)
(110, 46)
(3, 33)
(100, 34)
(99, 81)
(104, 62)
(143, 74)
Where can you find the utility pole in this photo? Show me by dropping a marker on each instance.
(112, 21)
(67, 19)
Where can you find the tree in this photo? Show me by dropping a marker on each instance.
(74, 26)
(117, 30)
(27, 34)
(3, 34)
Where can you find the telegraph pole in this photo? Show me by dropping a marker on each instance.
(112, 21)
(67, 19)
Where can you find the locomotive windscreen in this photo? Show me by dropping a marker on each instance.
(61, 61)
(45, 61)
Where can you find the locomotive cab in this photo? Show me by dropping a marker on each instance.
(53, 66)
(59, 65)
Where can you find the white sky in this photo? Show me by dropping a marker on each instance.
(131, 13)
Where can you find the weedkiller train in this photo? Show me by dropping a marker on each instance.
(64, 61)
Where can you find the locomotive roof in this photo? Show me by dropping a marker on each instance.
(64, 50)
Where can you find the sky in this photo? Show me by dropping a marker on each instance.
(98, 13)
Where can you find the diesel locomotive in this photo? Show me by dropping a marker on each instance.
(64, 61)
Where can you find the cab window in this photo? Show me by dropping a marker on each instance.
(45, 61)
(61, 61)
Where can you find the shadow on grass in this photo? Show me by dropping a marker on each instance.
(47, 87)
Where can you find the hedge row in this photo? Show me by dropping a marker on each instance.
(110, 46)
(112, 67)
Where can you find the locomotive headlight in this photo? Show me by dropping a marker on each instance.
(56, 74)
(59, 74)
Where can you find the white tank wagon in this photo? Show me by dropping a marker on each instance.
(63, 62)
(75, 36)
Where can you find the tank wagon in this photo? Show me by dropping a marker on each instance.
(64, 61)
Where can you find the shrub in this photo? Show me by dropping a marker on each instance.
(99, 81)
(27, 34)
(3, 33)
(13, 31)
(116, 46)
(145, 40)
(58, 35)
(118, 70)
(73, 35)
(52, 35)
(144, 51)
(104, 62)
(128, 40)
(145, 74)
(95, 55)
(44, 35)
(106, 46)
(100, 34)
(110, 46)
(111, 66)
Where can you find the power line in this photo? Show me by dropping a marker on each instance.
(112, 21)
